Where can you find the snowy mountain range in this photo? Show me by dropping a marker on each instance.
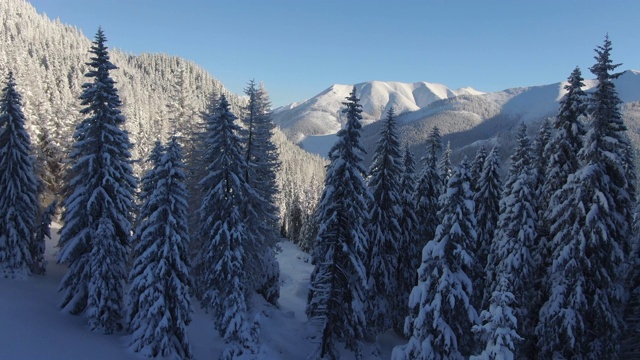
(472, 114)
(321, 115)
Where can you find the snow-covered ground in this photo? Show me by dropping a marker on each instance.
(33, 327)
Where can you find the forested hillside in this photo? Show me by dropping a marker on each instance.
(49, 59)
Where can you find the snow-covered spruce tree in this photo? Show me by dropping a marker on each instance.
(261, 267)
(540, 159)
(98, 208)
(338, 281)
(442, 315)
(19, 195)
(219, 269)
(499, 324)
(42, 233)
(591, 235)
(159, 303)
(148, 183)
(487, 202)
(562, 152)
(445, 168)
(408, 251)
(428, 190)
(511, 250)
(383, 228)
(476, 167)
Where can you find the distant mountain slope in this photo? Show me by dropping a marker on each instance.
(321, 115)
(469, 114)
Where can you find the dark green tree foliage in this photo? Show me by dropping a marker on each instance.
(19, 194)
(591, 235)
(487, 210)
(540, 159)
(562, 153)
(148, 184)
(98, 209)
(338, 281)
(43, 232)
(562, 150)
(445, 168)
(408, 251)
(512, 249)
(223, 217)
(428, 190)
(442, 315)
(262, 270)
(476, 167)
(160, 307)
(385, 233)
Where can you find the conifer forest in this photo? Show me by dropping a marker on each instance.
(169, 197)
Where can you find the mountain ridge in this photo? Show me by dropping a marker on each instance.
(312, 124)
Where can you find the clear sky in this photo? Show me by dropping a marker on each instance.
(300, 47)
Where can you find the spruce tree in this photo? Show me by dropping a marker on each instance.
(562, 152)
(563, 162)
(540, 159)
(160, 307)
(43, 232)
(338, 281)
(444, 168)
(442, 315)
(511, 251)
(221, 262)
(19, 195)
(408, 251)
(487, 201)
(148, 184)
(476, 167)
(385, 233)
(262, 269)
(499, 324)
(591, 234)
(428, 190)
(99, 205)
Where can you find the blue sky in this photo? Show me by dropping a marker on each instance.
(300, 47)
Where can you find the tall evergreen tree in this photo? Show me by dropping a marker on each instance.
(540, 159)
(148, 184)
(514, 242)
(563, 162)
(445, 168)
(385, 233)
(338, 281)
(591, 235)
(499, 325)
(562, 150)
(262, 267)
(42, 233)
(160, 307)
(441, 311)
(98, 209)
(487, 200)
(408, 251)
(428, 190)
(19, 195)
(476, 167)
(223, 213)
